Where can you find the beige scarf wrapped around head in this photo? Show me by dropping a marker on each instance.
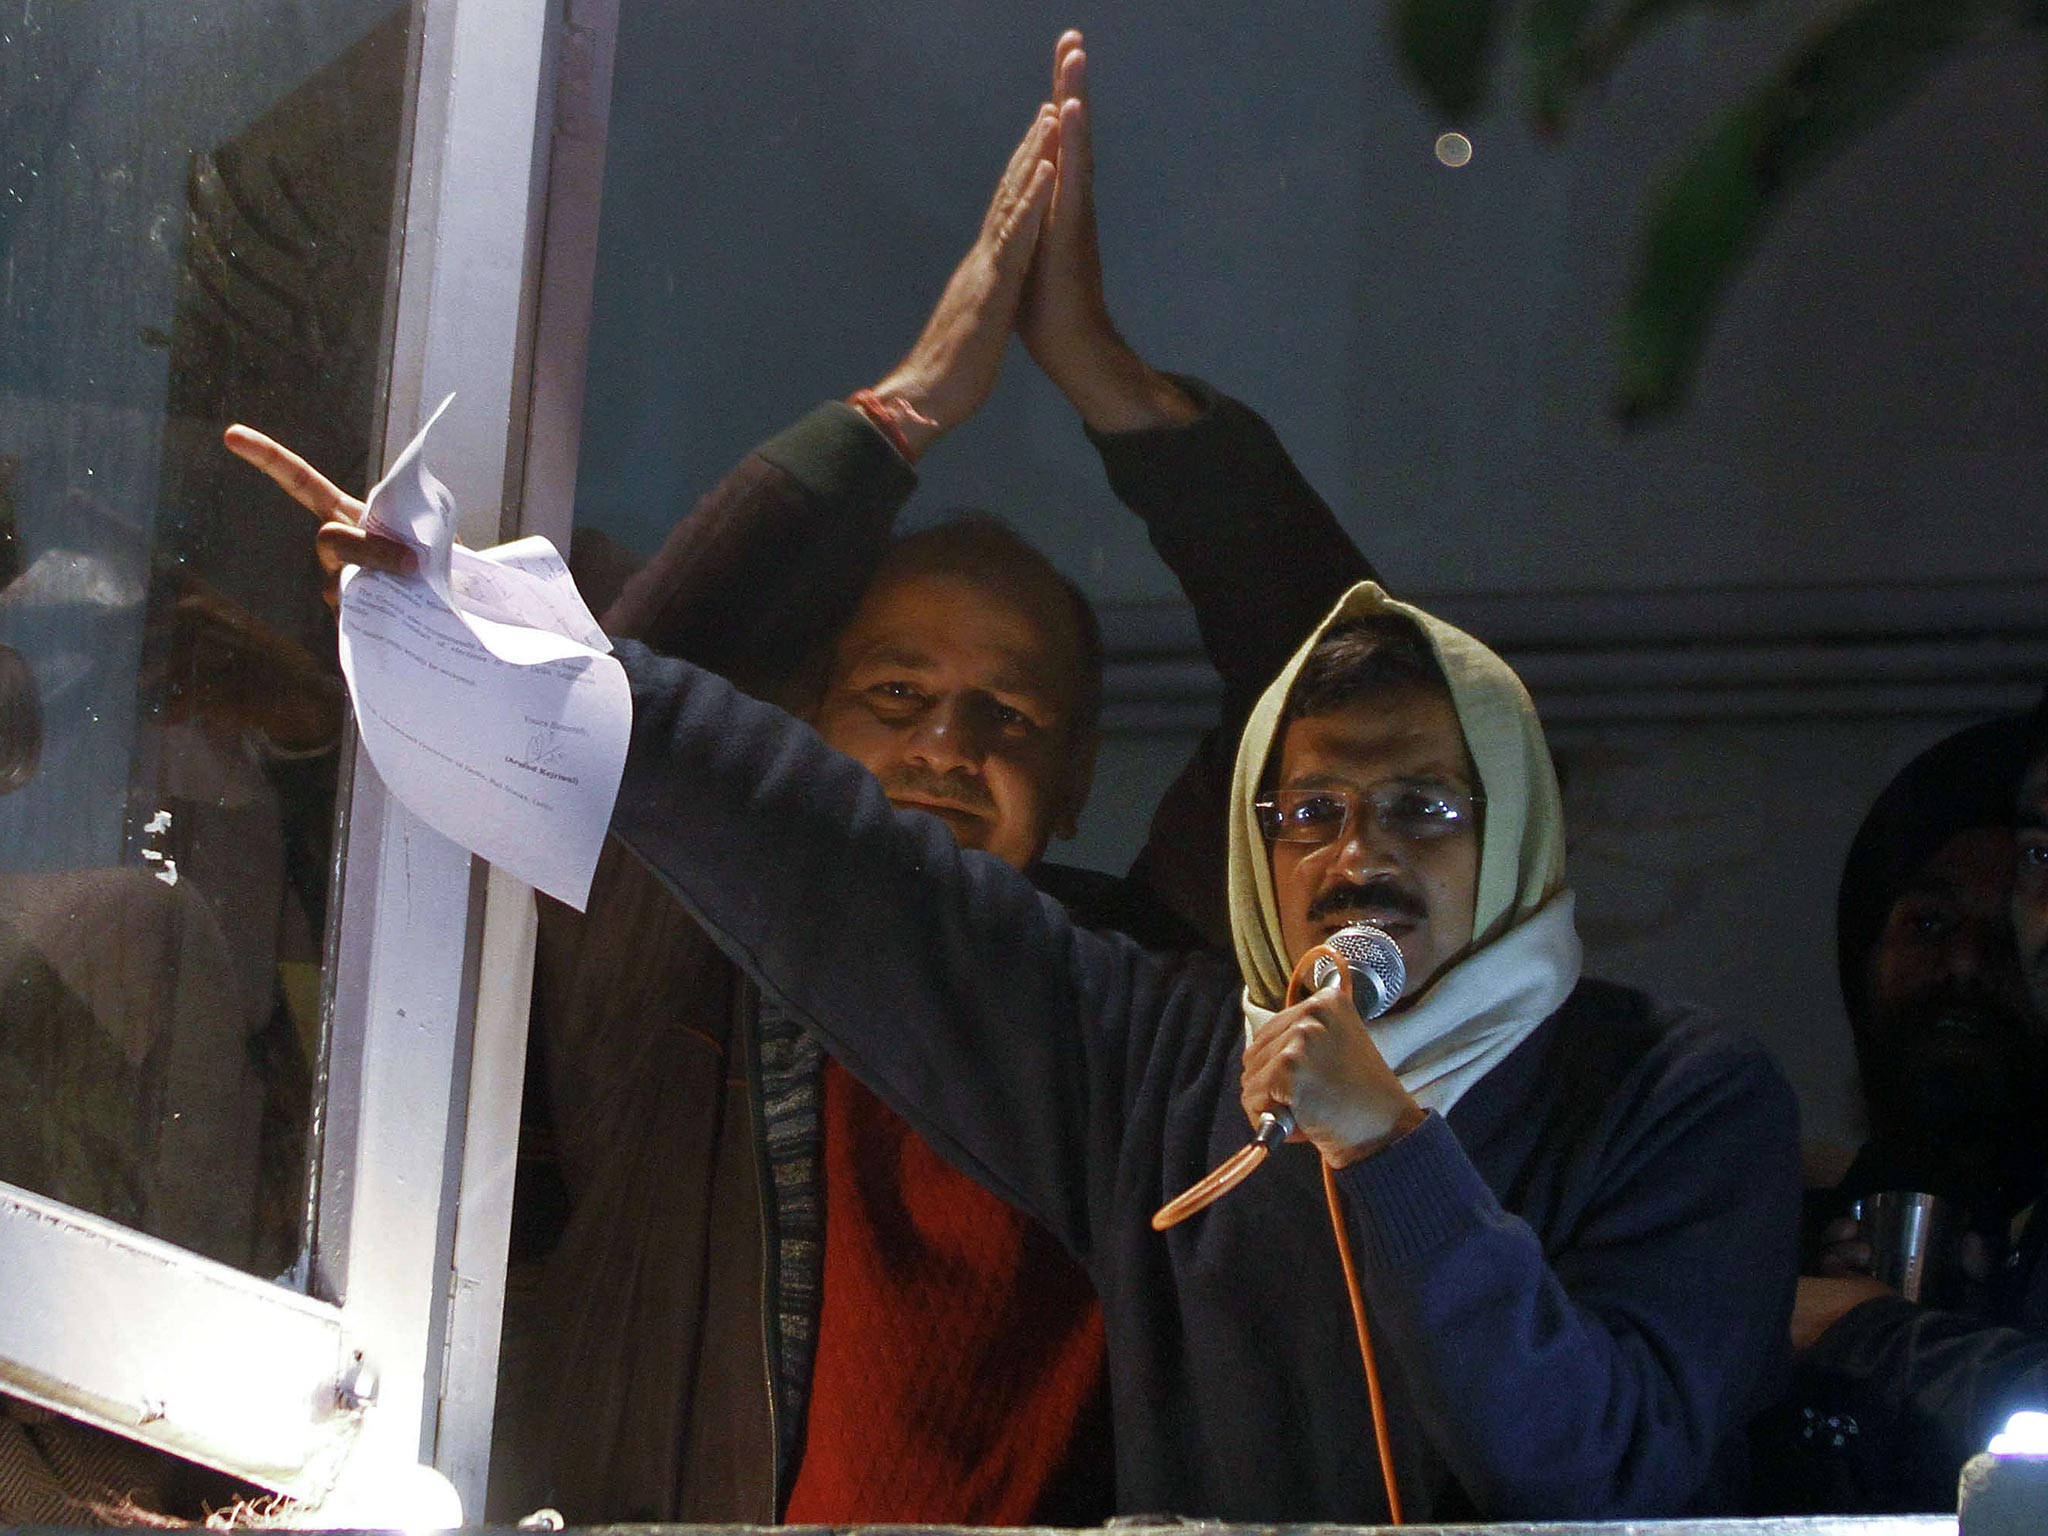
(1525, 952)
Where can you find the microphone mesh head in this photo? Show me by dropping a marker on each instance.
(1378, 973)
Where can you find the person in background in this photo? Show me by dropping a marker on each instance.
(1889, 1398)
(1947, 1047)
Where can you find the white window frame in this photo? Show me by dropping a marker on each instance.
(391, 1363)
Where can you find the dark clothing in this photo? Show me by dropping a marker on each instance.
(1580, 1284)
(688, 1287)
(1890, 1402)
(1894, 1398)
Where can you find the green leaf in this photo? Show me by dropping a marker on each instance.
(1554, 49)
(1708, 216)
(1446, 46)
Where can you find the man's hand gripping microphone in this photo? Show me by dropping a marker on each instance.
(1366, 963)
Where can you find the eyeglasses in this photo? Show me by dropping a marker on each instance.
(1413, 810)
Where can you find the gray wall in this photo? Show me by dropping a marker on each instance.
(1738, 624)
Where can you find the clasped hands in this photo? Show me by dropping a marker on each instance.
(1319, 1060)
(1034, 270)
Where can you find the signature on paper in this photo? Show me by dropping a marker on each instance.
(544, 747)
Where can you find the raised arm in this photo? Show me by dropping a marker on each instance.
(772, 562)
(1260, 556)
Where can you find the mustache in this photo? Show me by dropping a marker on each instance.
(914, 781)
(1376, 896)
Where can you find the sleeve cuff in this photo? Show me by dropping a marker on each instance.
(837, 454)
(1141, 444)
(1415, 1195)
(1195, 470)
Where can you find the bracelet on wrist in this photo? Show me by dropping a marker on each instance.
(892, 416)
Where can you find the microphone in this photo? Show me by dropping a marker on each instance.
(1377, 975)
(1368, 963)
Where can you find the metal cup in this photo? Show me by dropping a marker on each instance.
(1914, 1241)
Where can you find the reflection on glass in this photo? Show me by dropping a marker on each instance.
(195, 224)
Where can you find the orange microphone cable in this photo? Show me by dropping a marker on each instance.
(1275, 1127)
(1381, 1439)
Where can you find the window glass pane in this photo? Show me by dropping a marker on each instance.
(196, 207)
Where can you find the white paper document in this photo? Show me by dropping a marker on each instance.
(484, 689)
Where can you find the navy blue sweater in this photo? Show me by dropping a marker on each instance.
(1579, 1285)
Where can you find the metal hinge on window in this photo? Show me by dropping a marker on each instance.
(456, 1286)
(356, 1389)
